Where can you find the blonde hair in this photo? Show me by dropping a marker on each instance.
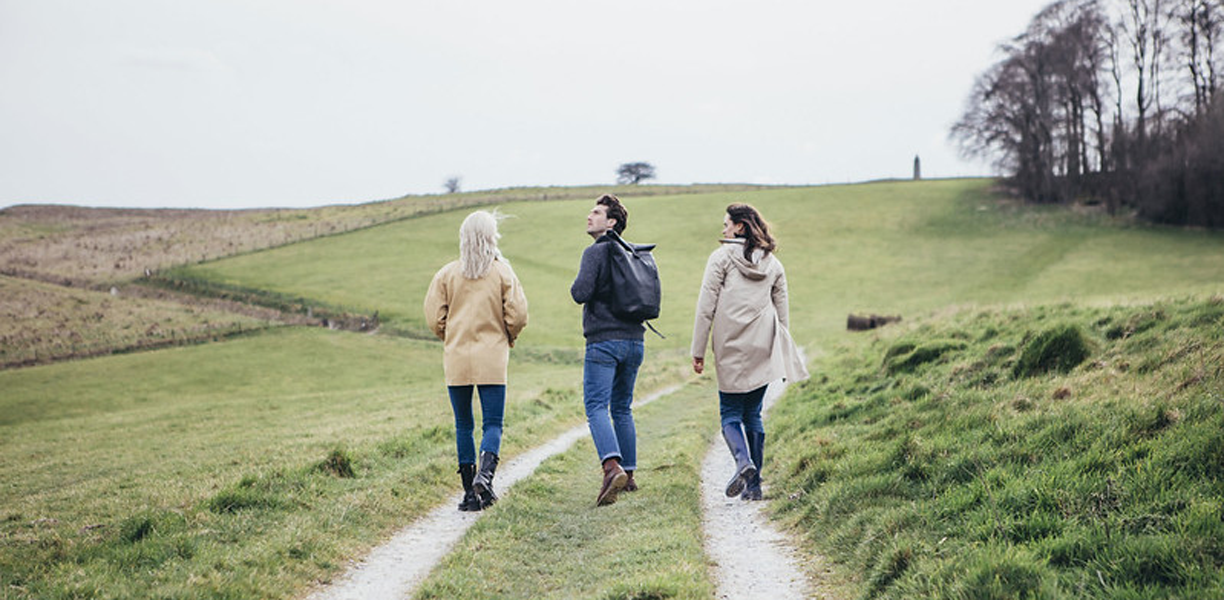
(478, 243)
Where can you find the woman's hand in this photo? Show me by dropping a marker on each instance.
(698, 365)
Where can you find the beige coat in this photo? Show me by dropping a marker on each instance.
(744, 305)
(478, 321)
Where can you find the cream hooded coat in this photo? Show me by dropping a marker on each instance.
(478, 321)
(743, 305)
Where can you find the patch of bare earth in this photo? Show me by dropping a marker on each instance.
(42, 323)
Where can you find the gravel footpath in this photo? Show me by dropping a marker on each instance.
(751, 559)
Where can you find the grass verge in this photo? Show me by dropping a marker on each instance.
(1048, 452)
(546, 539)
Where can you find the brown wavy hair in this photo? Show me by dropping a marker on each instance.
(616, 210)
(756, 230)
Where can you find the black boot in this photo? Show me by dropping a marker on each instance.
(483, 483)
(744, 469)
(756, 449)
(470, 500)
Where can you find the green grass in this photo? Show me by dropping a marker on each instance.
(969, 477)
(906, 247)
(546, 539)
(88, 247)
(247, 468)
(222, 470)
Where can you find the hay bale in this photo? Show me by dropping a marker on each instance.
(863, 323)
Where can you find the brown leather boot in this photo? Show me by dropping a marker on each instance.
(614, 480)
(630, 485)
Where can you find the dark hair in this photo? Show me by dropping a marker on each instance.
(756, 230)
(615, 210)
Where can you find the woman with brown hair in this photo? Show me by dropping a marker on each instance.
(743, 307)
(476, 306)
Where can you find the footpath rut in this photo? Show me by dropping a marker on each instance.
(750, 558)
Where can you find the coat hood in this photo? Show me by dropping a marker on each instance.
(757, 268)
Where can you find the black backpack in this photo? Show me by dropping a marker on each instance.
(635, 291)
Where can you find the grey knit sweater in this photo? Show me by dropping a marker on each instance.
(590, 289)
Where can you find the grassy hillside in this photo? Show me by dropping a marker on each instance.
(101, 246)
(1043, 452)
(907, 248)
(221, 469)
(76, 249)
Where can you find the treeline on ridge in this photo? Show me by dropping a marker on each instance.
(1109, 100)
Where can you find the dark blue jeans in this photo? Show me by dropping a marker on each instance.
(609, 372)
(492, 407)
(743, 408)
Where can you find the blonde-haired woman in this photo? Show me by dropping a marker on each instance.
(743, 306)
(476, 306)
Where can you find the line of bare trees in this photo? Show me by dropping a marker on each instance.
(1112, 100)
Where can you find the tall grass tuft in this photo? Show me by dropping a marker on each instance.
(1058, 349)
(338, 463)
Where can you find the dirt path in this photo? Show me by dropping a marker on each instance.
(396, 568)
(751, 558)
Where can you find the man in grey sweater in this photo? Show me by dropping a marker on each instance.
(614, 351)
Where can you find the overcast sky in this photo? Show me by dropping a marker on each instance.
(236, 104)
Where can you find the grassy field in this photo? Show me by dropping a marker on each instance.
(202, 471)
(906, 248)
(105, 246)
(94, 249)
(219, 470)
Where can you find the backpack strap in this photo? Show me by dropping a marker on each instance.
(631, 248)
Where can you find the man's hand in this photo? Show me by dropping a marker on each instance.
(698, 365)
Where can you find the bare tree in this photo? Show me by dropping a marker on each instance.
(1199, 27)
(1134, 78)
(452, 184)
(635, 172)
(1145, 34)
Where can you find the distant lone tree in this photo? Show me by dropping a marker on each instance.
(634, 173)
(452, 185)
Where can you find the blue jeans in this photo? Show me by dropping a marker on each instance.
(608, 374)
(492, 407)
(743, 408)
